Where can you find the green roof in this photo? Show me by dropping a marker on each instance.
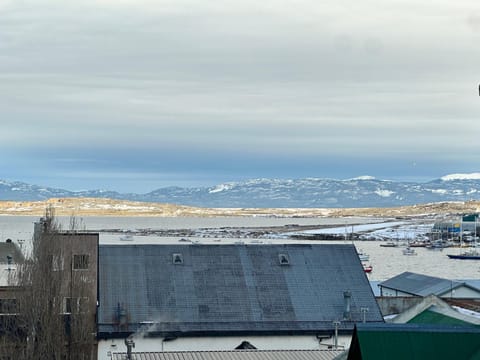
(433, 317)
(415, 342)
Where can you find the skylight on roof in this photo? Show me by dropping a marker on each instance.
(177, 259)
(283, 259)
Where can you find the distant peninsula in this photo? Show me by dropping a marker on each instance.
(111, 207)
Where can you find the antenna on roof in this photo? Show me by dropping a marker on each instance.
(364, 311)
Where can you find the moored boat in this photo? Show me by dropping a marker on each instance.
(468, 255)
(409, 251)
(417, 244)
(367, 268)
(363, 256)
(389, 244)
(126, 237)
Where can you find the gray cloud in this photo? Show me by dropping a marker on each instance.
(273, 81)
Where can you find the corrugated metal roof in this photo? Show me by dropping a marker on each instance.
(234, 355)
(420, 285)
(230, 288)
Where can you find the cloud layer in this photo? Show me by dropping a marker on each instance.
(134, 95)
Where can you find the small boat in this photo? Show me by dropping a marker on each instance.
(409, 251)
(468, 255)
(363, 256)
(417, 244)
(367, 268)
(435, 246)
(389, 244)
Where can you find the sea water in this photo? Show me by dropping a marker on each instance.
(386, 262)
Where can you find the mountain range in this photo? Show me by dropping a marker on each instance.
(364, 191)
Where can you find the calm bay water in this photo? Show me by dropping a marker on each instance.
(387, 262)
(21, 227)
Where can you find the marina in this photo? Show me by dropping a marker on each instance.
(386, 261)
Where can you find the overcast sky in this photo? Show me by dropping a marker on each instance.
(134, 95)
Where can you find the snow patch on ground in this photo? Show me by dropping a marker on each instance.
(357, 228)
(467, 312)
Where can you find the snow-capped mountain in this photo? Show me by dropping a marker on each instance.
(19, 191)
(363, 191)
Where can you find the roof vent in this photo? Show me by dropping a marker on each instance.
(177, 259)
(283, 259)
(245, 345)
(347, 300)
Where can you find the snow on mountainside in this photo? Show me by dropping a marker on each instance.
(364, 191)
(472, 176)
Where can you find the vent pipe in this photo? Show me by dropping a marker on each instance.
(9, 262)
(130, 344)
(347, 299)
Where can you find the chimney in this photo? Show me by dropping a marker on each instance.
(130, 344)
(347, 298)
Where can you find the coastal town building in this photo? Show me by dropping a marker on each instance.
(433, 310)
(465, 228)
(232, 355)
(54, 290)
(413, 284)
(414, 341)
(10, 256)
(218, 297)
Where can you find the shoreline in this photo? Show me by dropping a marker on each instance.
(83, 207)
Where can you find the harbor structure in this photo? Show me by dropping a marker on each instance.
(216, 297)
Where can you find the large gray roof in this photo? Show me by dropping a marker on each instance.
(420, 285)
(225, 289)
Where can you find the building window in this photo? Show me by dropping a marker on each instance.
(80, 262)
(8, 306)
(75, 305)
(67, 305)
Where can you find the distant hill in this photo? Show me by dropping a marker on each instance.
(359, 192)
(108, 207)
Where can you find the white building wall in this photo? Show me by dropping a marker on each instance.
(218, 343)
(392, 292)
(8, 275)
(462, 292)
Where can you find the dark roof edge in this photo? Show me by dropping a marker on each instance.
(439, 328)
(177, 334)
(396, 289)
